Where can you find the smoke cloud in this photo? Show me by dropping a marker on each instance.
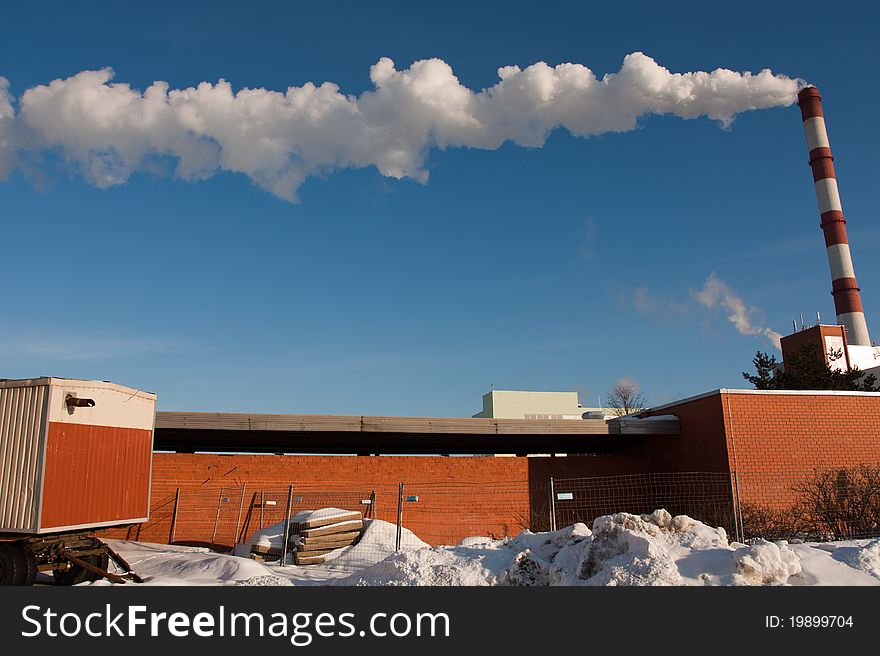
(107, 131)
(748, 320)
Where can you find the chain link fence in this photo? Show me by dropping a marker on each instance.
(223, 517)
(841, 503)
(446, 513)
(706, 496)
(832, 505)
(436, 513)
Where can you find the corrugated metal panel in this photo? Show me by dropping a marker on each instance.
(317, 423)
(95, 475)
(22, 416)
(204, 420)
(552, 427)
(211, 421)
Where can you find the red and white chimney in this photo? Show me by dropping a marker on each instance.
(847, 301)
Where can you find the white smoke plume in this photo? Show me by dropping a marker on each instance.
(748, 320)
(107, 131)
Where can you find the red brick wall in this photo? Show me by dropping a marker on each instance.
(773, 441)
(777, 441)
(458, 497)
(699, 448)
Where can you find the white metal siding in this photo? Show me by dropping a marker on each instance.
(22, 428)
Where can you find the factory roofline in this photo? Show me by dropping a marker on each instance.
(262, 433)
(726, 390)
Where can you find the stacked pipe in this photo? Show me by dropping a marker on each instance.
(844, 289)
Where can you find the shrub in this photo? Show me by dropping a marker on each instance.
(835, 504)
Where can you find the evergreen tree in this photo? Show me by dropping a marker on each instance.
(767, 369)
(807, 370)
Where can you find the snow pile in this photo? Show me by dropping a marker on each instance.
(546, 558)
(869, 558)
(861, 558)
(435, 567)
(655, 549)
(766, 562)
(372, 561)
(630, 550)
(621, 549)
(161, 564)
(476, 561)
(376, 543)
(211, 567)
(265, 580)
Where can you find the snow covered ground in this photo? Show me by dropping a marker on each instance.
(620, 549)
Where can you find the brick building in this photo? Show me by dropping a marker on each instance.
(765, 442)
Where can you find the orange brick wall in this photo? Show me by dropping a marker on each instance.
(772, 441)
(458, 497)
(777, 441)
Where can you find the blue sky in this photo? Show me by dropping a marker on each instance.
(565, 267)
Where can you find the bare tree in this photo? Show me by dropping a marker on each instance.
(625, 398)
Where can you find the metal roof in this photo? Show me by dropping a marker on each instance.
(272, 433)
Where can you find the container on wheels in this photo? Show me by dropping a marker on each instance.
(75, 457)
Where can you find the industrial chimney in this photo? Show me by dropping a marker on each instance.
(847, 302)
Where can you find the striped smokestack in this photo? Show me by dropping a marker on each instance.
(847, 302)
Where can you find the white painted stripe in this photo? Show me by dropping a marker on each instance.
(856, 328)
(115, 406)
(827, 195)
(725, 390)
(73, 527)
(814, 130)
(841, 261)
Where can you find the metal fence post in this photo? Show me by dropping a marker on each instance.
(373, 504)
(736, 535)
(399, 516)
(286, 526)
(653, 489)
(217, 518)
(238, 521)
(174, 516)
(739, 510)
(552, 506)
(261, 510)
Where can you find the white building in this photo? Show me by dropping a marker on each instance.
(514, 404)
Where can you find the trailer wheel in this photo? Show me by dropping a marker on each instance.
(12, 565)
(76, 574)
(29, 564)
